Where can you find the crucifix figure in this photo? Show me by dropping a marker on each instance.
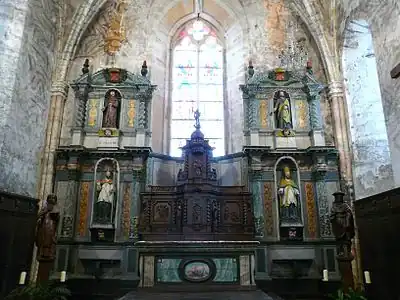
(197, 119)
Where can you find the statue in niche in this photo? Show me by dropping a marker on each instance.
(104, 205)
(288, 194)
(46, 230)
(110, 111)
(282, 111)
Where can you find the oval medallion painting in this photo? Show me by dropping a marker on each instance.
(197, 271)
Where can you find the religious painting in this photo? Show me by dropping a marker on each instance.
(282, 113)
(197, 271)
(106, 188)
(111, 109)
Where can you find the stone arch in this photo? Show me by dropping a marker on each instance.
(89, 9)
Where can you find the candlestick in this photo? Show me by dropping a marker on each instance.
(325, 275)
(63, 276)
(22, 278)
(367, 277)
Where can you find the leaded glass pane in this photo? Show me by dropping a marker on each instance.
(210, 75)
(212, 129)
(219, 145)
(211, 92)
(184, 76)
(185, 59)
(184, 92)
(183, 110)
(211, 111)
(175, 144)
(182, 129)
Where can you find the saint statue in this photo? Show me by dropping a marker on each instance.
(283, 116)
(288, 193)
(342, 219)
(46, 230)
(110, 111)
(105, 200)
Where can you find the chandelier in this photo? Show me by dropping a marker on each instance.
(294, 56)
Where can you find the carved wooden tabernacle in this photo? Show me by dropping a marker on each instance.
(197, 208)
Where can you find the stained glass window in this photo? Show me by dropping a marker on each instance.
(197, 83)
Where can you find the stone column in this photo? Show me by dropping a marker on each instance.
(342, 142)
(138, 183)
(53, 131)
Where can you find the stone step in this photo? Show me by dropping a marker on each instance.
(228, 295)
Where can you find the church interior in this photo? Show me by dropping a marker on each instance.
(194, 149)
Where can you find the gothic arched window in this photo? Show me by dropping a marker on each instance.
(197, 83)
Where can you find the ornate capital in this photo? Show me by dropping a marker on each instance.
(335, 89)
(60, 88)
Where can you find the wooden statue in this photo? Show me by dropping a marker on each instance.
(110, 111)
(343, 229)
(46, 236)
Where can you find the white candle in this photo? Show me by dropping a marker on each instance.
(63, 276)
(367, 277)
(325, 275)
(22, 278)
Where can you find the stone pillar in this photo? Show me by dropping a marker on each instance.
(138, 183)
(53, 131)
(342, 142)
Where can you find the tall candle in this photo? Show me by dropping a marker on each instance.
(22, 278)
(63, 276)
(367, 277)
(325, 275)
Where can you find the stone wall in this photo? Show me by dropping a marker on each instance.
(382, 17)
(372, 166)
(29, 33)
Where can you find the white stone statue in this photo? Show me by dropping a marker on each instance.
(105, 199)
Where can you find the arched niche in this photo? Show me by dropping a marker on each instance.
(371, 161)
(105, 204)
(111, 109)
(288, 197)
(283, 117)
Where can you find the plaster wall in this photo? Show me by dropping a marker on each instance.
(29, 33)
(383, 19)
(372, 165)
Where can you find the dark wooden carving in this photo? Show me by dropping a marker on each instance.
(17, 233)
(378, 223)
(197, 208)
